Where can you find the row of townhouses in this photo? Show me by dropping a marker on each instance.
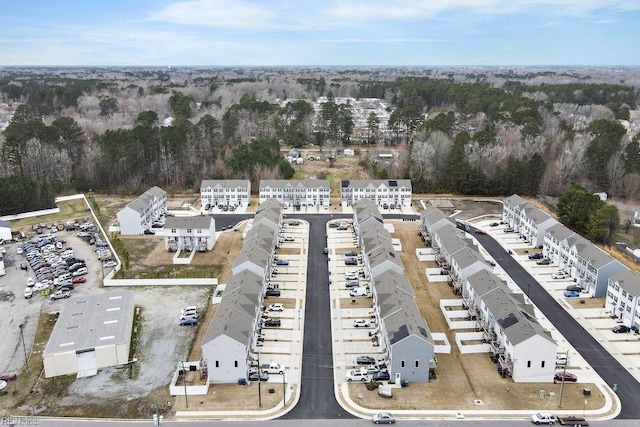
(404, 336)
(139, 214)
(307, 192)
(229, 346)
(595, 271)
(512, 336)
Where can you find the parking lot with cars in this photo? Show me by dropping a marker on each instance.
(279, 339)
(357, 353)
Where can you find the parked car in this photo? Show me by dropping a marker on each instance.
(289, 239)
(382, 376)
(40, 286)
(350, 254)
(294, 223)
(559, 275)
(258, 375)
(276, 307)
(60, 295)
(28, 293)
(356, 375)
(573, 288)
(568, 377)
(272, 293)
(494, 224)
(30, 282)
(351, 261)
(571, 294)
(361, 323)
(149, 231)
(8, 376)
(282, 262)
(272, 323)
(384, 418)
(365, 360)
(80, 272)
(543, 418)
(110, 263)
(620, 329)
(351, 275)
(80, 279)
(561, 359)
(333, 225)
(370, 369)
(352, 284)
(537, 255)
(543, 261)
(189, 321)
(23, 266)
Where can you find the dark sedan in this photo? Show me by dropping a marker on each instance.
(568, 377)
(620, 329)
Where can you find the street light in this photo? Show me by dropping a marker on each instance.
(24, 347)
(184, 378)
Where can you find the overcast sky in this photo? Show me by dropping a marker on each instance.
(320, 32)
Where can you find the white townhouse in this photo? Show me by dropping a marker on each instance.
(432, 219)
(623, 297)
(307, 192)
(533, 224)
(511, 211)
(225, 192)
(593, 269)
(465, 263)
(390, 192)
(447, 241)
(553, 240)
(138, 214)
(189, 233)
(5, 231)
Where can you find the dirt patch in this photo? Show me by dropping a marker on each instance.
(587, 302)
(462, 379)
(233, 397)
(358, 302)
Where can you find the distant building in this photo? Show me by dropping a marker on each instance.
(390, 192)
(225, 192)
(5, 230)
(138, 215)
(307, 192)
(91, 333)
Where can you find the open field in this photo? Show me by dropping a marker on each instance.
(68, 209)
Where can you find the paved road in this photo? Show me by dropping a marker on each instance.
(317, 398)
(603, 363)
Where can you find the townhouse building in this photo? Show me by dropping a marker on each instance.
(511, 211)
(138, 214)
(229, 347)
(385, 193)
(225, 192)
(189, 233)
(431, 219)
(296, 193)
(533, 224)
(623, 298)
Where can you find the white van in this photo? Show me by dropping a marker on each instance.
(356, 375)
(360, 291)
(272, 368)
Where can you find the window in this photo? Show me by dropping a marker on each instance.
(189, 230)
(235, 363)
(402, 363)
(417, 363)
(528, 363)
(542, 364)
(217, 363)
(173, 230)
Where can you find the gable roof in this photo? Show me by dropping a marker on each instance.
(628, 280)
(306, 183)
(560, 232)
(467, 256)
(197, 221)
(225, 183)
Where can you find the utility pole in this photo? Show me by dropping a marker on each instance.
(24, 347)
(184, 379)
(284, 389)
(564, 371)
(259, 383)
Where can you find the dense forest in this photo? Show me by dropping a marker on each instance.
(493, 132)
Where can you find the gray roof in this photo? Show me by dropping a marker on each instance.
(535, 214)
(262, 237)
(306, 183)
(595, 256)
(96, 320)
(483, 282)
(391, 281)
(361, 183)
(467, 256)
(514, 200)
(140, 203)
(225, 183)
(406, 321)
(628, 280)
(517, 326)
(5, 224)
(432, 216)
(560, 232)
(365, 209)
(383, 253)
(253, 254)
(196, 221)
(451, 239)
(236, 314)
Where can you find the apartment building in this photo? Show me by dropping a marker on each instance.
(385, 193)
(225, 192)
(138, 214)
(296, 193)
